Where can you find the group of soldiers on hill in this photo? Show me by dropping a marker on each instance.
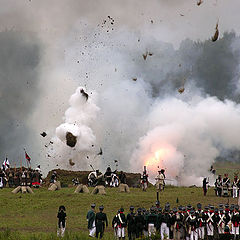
(176, 223)
(14, 177)
(224, 185)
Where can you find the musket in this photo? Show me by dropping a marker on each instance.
(92, 167)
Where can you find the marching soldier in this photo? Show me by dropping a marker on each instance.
(100, 220)
(131, 224)
(235, 186)
(91, 221)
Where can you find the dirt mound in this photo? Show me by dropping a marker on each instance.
(65, 177)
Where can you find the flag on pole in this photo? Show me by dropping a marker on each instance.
(27, 157)
(5, 164)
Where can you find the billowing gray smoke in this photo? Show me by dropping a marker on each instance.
(142, 118)
(19, 78)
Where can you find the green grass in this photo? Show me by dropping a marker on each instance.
(27, 216)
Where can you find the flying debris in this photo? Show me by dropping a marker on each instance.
(182, 15)
(199, 2)
(48, 155)
(151, 21)
(147, 54)
(71, 162)
(100, 152)
(134, 79)
(181, 90)
(84, 94)
(71, 139)
(43, 134)
(215, 37)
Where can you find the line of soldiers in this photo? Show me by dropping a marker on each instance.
(223, 186)
(182, 223)
(21, 177)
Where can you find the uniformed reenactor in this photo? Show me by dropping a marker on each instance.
(91, 221)
(145, 226)
(114, 224)
(201, 224)
(216, 219)
(226, 184)
(160, 180)
(210, 223)
(144, 180)
(227, 221)
(165, 222)
(177, 219)
(121, 224)
(139, 223)
(61, 221)
(218, 186)
(235, 186)
(221, 224)
(192, 225)
(151, 221)
(235, 222)
(100, 220)
(131, 224)
(11, 178)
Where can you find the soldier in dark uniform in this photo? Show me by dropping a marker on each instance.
(176, 220)
(108, 176)
(205, 182)
(114, 224)
(11, 178)
(100, 220)
(91, 221)
(122, 177)
(121, 224)
(216, 219)
(145, 226)
(131, 224)
(165, 221)
(192, 225)
(151, 221)
(61, 221)
(235, 222)
(139, 223)
(200, 222)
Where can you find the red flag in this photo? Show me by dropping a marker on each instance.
(27, 157)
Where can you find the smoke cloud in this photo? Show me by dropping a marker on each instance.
(135, 112)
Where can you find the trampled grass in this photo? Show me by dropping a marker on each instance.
(27, 216)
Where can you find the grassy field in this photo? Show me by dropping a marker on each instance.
(34, 216)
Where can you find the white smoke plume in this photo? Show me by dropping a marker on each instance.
(77, 120)
(132, 120)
